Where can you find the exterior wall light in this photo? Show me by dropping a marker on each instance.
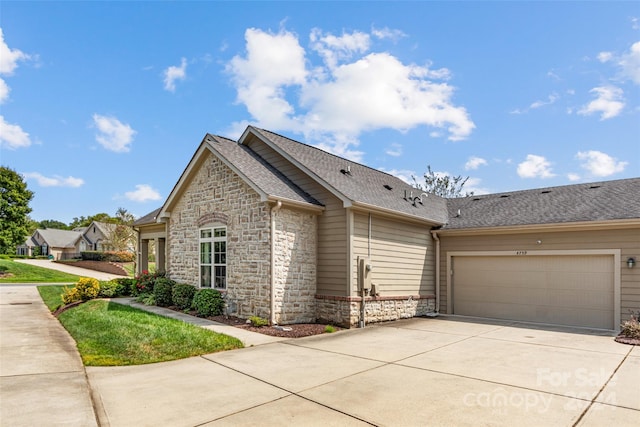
(631, 261)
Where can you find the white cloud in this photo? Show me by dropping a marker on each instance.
(535, 167)
(114, 135)
(351, 92)
(387, 33)
(605, 56)
(4, 91)
(600, 164)
(12, 136)
(9, 57)
(394, 150)
(573, 177)
(474, 163)
(174, 73)
(609, 102)
(630, 63)
(54, 181)
(405, 175)
(474, 185)
(550, 100)
(143, 193)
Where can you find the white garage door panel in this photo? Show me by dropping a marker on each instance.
(572, 290)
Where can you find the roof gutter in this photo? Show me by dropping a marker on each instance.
(272, 289)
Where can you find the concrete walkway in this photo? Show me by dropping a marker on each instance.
(42, 379)
(78, 271)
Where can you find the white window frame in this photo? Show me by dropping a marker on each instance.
(217, 261)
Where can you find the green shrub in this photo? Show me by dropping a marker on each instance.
(127, 286)
(150, 299)
(162, 290)
(110, 289)
(146, 281)
(120, 256)
(88, 288)
(93, 256)
(208, 302)
(182, 295)
(258, 321)
(70, 295)
(329, 329)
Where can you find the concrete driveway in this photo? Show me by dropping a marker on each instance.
(443, 371)
(416, 372)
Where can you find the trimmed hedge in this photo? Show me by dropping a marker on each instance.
(182, 295)
(108, 256)
(208, 302)
(163, 292)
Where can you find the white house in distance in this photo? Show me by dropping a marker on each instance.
(294, 234)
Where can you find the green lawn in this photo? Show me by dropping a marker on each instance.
(110, 334)
(24, 273)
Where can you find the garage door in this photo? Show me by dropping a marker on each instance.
(574, 290)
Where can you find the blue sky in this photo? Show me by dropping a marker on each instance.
(102, 105)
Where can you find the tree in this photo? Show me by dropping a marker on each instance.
(122, 237)
(86, 221)
(14, 210)
(443, 185)
(52, 223)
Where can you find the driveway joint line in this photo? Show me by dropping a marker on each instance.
(293, 393)
(590, 405)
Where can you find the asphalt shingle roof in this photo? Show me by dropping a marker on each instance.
(262, 174)
(598, 201)
(149, 218)
(360, 183)
(59, 238)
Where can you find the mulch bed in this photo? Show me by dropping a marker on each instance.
(626, 340)
(285, 331)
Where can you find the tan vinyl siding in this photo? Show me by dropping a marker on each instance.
(626, 240)
(332, 223)
(401, 255)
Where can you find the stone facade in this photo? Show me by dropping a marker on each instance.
(345, 311)
(218, 196)
(295, 266)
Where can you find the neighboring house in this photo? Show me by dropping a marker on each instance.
(59, 244)
(295, 234)
(66, 244)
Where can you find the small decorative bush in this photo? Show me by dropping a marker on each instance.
(631, 328)
(258, 321)
(208, 302)
(329, 329)
(110, 289)
(146, 281)
(182, 295)
(162, 290)
(88, 288)
(150, 299)
(70, 295)
(126, 284)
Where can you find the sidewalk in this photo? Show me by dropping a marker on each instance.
(42, 379)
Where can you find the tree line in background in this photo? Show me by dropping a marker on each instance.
(16, 225)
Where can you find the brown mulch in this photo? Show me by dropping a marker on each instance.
(626, 340)
(285, 331)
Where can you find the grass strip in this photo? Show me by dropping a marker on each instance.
(25, 273)
(111, 334)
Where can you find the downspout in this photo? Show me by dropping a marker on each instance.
(434, 233)
(272, 293)
(363, 303)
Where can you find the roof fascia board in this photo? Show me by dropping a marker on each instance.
(365, 207)
(347, 202)
(533, 228)
(294, 203)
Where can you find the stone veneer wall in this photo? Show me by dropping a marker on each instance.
(345, 311)
(295, 266)
(216, 195)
